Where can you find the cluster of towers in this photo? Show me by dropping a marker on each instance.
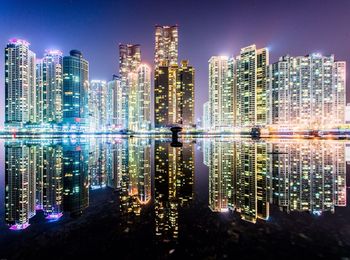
(55, 92)
(304, 92)
(48, 92)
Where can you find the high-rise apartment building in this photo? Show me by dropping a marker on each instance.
(166, 46)
(221, 93)
(129, 61)
(174, 96)
(98, 105)
(251, 84)
(49, 83)
(307, 92)
(20, 91)
(185, 89)
(114, 104)
(165, 109)
(143, 98)
(75, 91)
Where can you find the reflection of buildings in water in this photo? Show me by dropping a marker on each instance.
(173, 180)
(135, 181)
(52, 181)
(251, 180)
(220, 159)
(75, 177)
(20, 181)
(247, 176)
(116, 161)
(33, 182)
(309, 175)
(237, 178)
(97, 164)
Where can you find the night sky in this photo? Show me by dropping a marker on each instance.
(206, 28)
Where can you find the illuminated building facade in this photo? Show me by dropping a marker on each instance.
(185, 94)
(114, 104)
(129, 61)
(98, 94)
(143, 98)
(251, 104)
(166, 46)
(174, 96)
(165, 96)
(139, 84)
(221, 93)
(49, 87)
(307, 92)
(20, 94)
(75, 91)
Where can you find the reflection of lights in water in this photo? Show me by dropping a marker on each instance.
(317, 213)
(54, 216)
(20, 226)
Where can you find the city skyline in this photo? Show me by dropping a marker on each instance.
(233, 34)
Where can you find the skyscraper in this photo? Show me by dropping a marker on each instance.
(174, 96)
(20, 96)
(75, 90)
(165, 109)
(98, 105)
(185, 89)
(306, 92)
(49, 87)
(166, 46)
(221, 93)
(143, 99)
(129, 61)
(251, 86)
(114, 104)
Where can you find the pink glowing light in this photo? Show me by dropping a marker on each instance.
(19, 41)
(20, 226)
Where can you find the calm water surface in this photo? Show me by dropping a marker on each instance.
(201, 198)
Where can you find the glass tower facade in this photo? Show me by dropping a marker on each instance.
(75, 91)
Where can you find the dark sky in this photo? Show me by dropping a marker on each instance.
(206, 28)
